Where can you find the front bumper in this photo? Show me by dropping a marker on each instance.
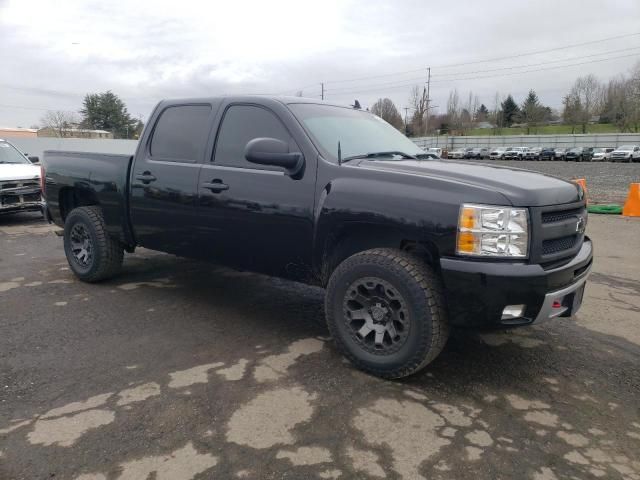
(477, 291)
(20, 196)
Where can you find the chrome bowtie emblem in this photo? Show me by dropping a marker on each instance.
(580, 225)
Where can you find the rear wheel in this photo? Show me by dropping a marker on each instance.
(92, 254)
(385, 310)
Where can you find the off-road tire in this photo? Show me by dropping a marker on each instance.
(107, 253)
(422, 291)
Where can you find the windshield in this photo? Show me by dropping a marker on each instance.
(358, 132)
(626, 148)
(9, 154)
(598, 150)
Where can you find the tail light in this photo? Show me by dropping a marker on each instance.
(42, 179)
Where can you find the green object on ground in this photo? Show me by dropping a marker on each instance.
(612, 209)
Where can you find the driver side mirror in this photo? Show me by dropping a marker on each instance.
(34, 159)
(271, 151)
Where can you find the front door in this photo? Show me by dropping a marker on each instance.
(253, 216)
(165, 177)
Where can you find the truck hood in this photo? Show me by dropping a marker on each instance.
(18, 171)
(521, 187)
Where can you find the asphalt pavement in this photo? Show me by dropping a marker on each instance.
(179, 370)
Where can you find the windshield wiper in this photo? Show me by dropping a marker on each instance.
(379, 154)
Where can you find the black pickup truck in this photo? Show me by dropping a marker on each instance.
(406, 246)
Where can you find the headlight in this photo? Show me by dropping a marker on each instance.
(485, 230)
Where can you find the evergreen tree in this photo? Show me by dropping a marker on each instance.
(510, 111)
(532, 110)
(106, 111)
(482, 114)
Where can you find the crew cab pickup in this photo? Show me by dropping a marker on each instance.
(516, 153)
(333, 196)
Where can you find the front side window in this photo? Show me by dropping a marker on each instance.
(240, 125)
(181, 133)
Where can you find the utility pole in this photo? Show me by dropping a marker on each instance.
(406, 126)
(428, 100)
(322, 94)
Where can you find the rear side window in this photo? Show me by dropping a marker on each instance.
(241, 124)
(181, 133)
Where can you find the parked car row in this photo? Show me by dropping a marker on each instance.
(624, 153)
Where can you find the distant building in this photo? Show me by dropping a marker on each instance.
(18, 132)
(485, 125)
(73, 133)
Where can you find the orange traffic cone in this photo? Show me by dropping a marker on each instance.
(583, 182)
(632, 205)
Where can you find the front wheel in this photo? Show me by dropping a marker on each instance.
(385, 311)
(92, 254)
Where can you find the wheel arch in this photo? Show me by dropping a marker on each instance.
(74, 197)
(355, 238)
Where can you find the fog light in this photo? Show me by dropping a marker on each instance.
(513, 311)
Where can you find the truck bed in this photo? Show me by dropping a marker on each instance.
(91, 178)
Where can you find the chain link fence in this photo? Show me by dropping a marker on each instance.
(564, 141)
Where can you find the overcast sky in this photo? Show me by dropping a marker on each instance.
(53, 53)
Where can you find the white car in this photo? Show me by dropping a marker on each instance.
(19, 181)
(498, 153)
(626, 153)
(457, 153)
(437, 151)
(602, 154)
(516, 153)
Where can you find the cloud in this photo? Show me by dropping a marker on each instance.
(53, 54)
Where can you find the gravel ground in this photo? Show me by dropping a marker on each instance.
(606, 182)
(186, 371)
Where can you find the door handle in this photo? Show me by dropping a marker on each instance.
(215, 185)
(146, 177)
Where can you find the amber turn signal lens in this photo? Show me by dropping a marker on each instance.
(466, 242)
(467, 218)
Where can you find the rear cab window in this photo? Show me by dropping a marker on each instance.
(181, 133)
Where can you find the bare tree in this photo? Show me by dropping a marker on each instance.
(385, 109)
(618, 105)
(588, 91)
(59, 122)
(634, 96)
(454, 111)
(571, 110)
(420, 103)
(469, 112)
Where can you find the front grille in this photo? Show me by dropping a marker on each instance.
(549, 217)
(558, 244)
(557, 233)
(17, 192)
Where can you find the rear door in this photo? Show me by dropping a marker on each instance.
(253, 216)
(164, 178)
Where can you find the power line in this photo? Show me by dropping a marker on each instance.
(393, 85)
(541, 63)
(419, 79)
(451, 65)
